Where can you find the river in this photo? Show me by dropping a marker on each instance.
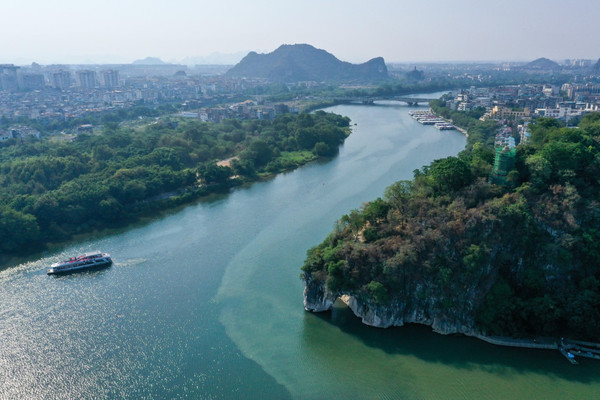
(207, 302)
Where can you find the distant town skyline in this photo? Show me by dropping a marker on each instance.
(111, 31)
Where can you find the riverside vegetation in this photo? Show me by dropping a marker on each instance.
(51, 190)
(454, 251)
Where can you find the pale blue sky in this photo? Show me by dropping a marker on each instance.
(72, 31)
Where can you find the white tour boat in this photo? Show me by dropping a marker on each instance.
(85, 261)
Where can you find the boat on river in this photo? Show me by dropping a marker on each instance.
(80, 263)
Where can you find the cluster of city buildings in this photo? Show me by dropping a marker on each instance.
(14, 78)
(249, 109)
(523, 102)
(63, 92)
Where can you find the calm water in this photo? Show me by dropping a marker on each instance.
(207, 303)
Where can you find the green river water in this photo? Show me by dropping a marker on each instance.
(206, 303)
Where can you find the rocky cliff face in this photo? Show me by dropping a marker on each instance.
(316, 296)
(430, 311)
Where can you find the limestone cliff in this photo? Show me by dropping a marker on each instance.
(316, 296)
(428, 311)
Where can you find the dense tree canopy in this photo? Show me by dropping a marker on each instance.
(51, 189)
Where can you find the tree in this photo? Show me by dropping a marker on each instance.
(375, 210)
(449, 174)
(355, 220)
(46, 209)
(476, 257)
(321, 149)
(378, 292)
(540, 171)
(110, 209)
(306, 138)
(397, 194)
(102, 153)
(243, 167)
(260, 153)
(16, 229)
(133, 190)
(304, 121)
(165, 156)
(212, 173)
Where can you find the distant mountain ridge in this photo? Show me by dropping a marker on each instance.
(149, 61)
(303, 62)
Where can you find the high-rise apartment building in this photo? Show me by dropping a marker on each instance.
(110, 78)
(61, 79)
(33, 81)
(87, 79)
(8, 77)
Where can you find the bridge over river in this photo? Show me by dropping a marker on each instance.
(411, 101)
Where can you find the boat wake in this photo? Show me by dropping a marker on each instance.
(131, 262)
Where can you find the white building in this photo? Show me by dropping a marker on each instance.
(61, 79)
(87, 79)
(110, 78)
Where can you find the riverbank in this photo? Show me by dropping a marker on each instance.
(451, 121)
(54, 191)
(567, 347)
(150, 209)
(542, 343)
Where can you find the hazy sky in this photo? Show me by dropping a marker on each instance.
(120, 31)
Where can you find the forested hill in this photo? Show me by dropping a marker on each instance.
(303, 62)
(542, 64)
(51, 190)
(452, 250)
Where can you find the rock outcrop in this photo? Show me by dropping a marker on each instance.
(316, 296)
(427, 312)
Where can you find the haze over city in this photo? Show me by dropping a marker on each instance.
(111, 31)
